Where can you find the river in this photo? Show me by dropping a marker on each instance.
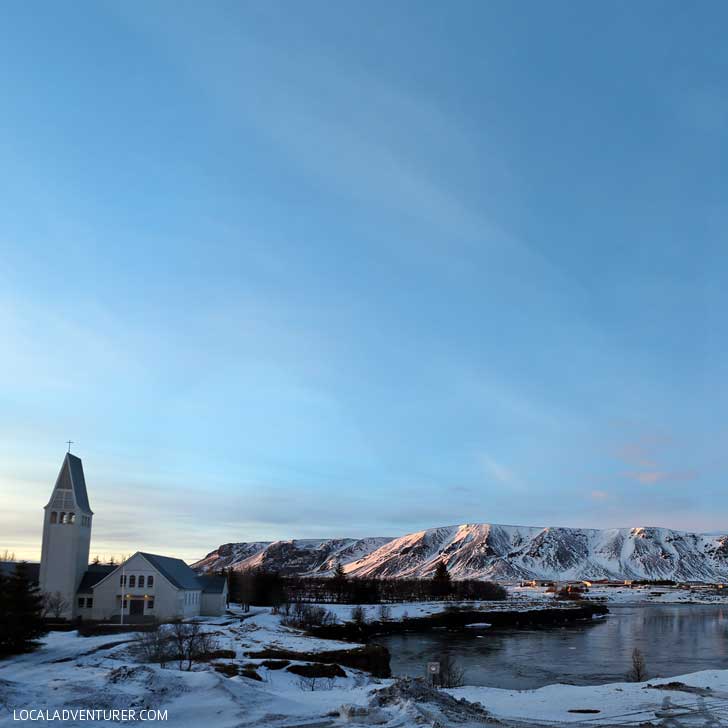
(675, 639)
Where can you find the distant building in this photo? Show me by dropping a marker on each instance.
(145, 587)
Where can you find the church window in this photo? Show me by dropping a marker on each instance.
(54, 517)
(80, 602)
(72, 518)
(123, 604)
(141, 581)
(150, 580)
(150, 603)
(132, 581)
(89, 602)
(122, 580)
(62, 518)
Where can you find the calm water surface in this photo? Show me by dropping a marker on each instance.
(675, 639)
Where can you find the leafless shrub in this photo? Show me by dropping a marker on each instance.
(638, 671)
(306, 616)
(452, 675)
(54, 604)
(155, 646)
(191, 643)
(310, 684)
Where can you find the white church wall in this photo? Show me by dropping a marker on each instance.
(213, 605)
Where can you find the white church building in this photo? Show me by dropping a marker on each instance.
(144, 587)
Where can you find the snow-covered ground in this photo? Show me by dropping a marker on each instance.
(626, 595)
(520, 602)
(615, 703)
(101, 673)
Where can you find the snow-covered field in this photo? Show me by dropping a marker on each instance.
(706, 704)
(101, 673)
(625, 595)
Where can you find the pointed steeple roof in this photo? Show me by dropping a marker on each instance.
(71, 478)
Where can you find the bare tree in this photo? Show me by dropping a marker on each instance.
(358, 615)
(7, 555)
(452, 675)
(191, 643)
(312, 684)
(156, 646)
(54, 604)
(307, 683)
(638, 672)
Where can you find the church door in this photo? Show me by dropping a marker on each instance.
(136, 607)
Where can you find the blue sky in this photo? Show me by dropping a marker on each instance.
(321, 269)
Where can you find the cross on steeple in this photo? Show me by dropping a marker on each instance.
(70, 442)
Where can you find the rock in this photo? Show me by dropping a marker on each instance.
(362, 714)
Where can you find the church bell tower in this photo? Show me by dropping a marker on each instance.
(66, 534)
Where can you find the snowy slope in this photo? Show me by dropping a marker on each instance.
(302, 556)
(491, 551)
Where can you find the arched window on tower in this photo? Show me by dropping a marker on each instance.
(72, 518)
(62, 517)
(54, 517)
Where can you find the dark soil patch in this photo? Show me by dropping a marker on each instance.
(317, 669)
(370, 658)
(275, 664)
(227, 669)
(221, 654)
(251, 675)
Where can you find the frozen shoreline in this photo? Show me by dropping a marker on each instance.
(98, 672)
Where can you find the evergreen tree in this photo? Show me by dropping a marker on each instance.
(339, 582)
(21, 607)
(441, 583)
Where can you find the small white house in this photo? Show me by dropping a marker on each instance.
(145, 587)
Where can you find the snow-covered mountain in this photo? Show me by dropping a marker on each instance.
(490, 551)
(300, 556)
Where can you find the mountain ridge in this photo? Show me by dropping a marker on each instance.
(493, 551)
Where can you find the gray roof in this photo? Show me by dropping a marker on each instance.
(94, 574)
(71, 477)
(7, 568)
(175, 570)
(212, 583)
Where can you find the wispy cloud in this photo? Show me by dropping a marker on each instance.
(652, 477)
(649, 461)
(498, 471)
